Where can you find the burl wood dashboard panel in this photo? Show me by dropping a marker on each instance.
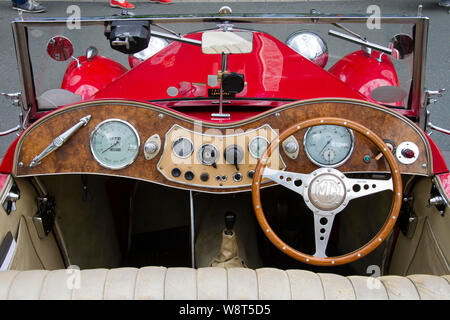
(75, 155)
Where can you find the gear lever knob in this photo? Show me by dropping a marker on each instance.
(230, 219)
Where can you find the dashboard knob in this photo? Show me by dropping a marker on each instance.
(237, 176)
(150, 147)
(176, 172)
(189, 175)
(291, 147)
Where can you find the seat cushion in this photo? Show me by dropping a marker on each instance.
(214, 283)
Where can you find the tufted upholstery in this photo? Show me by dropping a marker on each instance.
(215, 283)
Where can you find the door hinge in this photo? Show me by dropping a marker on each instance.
(44, 219)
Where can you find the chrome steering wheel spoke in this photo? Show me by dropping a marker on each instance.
(358, 188)
(291, 180)
(323, 224)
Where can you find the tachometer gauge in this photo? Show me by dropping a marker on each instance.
(257, 146)
(114, 144)
(182, 147)
(328, 145)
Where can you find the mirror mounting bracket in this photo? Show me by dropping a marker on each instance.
(220, 74)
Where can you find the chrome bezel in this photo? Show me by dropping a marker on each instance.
(251, 141)
(192, 147)
(290, 42)
(201, 159)
(129, 161)
(350, 152)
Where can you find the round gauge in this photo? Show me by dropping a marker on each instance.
(208, 154)
(257, 146)
(328, 145)
(182, 147)
(233, 154)
(114, 144)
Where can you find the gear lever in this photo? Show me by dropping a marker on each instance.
(230, 219)
(228, 255)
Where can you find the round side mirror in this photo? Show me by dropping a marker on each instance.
(60, 48)
(404, 45)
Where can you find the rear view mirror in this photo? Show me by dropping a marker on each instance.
(227, 42)
(60, 48)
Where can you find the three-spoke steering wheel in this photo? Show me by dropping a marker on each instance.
(327, 191)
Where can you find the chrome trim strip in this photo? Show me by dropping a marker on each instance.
(191, 211)
(213, 18)
(20, 36)
(419, 63)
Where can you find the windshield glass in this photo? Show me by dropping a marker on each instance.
(330, 65)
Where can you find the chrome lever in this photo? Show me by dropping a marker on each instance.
(432, 95)
(14, 97)
(59, 141)
(9, 131)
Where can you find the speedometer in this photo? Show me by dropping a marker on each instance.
(328, 145)
(114, 144)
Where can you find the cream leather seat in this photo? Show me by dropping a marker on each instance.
(214, 283)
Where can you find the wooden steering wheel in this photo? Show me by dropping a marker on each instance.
(327, 191)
